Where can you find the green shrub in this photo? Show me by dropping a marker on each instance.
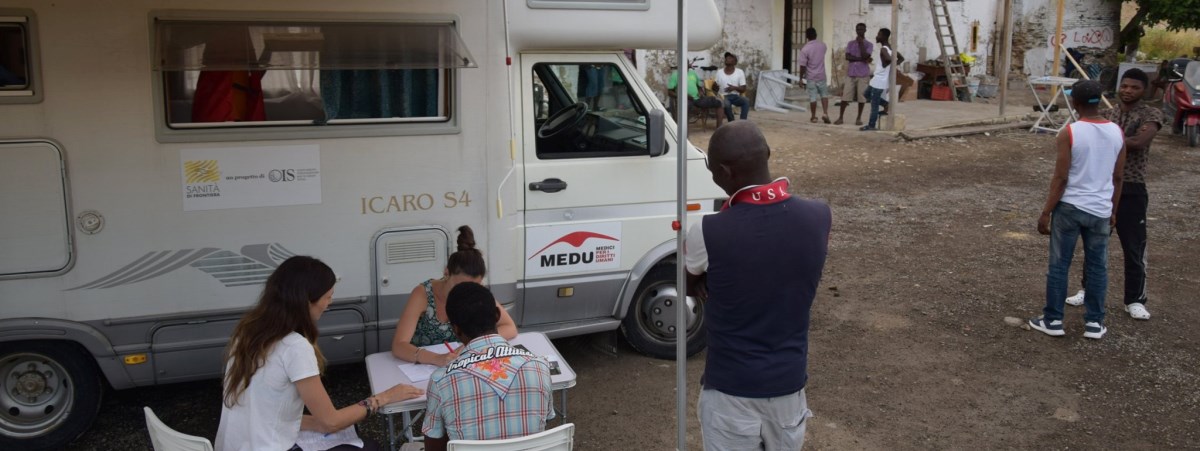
(1159, 44)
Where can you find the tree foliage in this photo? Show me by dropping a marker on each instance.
(1173, 14)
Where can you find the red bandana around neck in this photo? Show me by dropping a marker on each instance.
(776, 191)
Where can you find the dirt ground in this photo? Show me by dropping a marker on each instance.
(934, 244)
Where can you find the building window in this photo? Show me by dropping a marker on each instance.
(256, 74)
(18, 57)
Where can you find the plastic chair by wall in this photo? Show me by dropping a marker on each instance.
(561, 438)
(166, 439)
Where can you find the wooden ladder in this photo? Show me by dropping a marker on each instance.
(956, 72)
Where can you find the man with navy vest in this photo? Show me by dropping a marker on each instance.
(757, 264)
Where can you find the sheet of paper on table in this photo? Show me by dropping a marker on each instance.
(421, 372)
(316, 441)
(417, 372)
(552, 360)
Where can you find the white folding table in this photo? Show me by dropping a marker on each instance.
(1058, 85)
(383, 372)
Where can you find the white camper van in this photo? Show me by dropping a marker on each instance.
(159, 158)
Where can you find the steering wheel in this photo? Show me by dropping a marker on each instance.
(565, 119)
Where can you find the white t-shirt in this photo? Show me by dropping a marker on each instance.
(267, 415)
(1095, 147)
(880, 79)
(695, 253)
(737, 78)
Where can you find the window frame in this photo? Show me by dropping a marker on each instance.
(556, 89)
(29, 23)
(609, 5)
(345, 128)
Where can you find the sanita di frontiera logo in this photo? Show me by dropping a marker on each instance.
(602, 253)
(202, 171)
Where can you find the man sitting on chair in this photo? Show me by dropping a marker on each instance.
(492, 390)
(698, 95)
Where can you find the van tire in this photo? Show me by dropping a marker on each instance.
(72, 388)
(647, 324)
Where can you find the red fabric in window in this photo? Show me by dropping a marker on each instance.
(229, 96)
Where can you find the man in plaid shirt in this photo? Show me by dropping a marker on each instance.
(492, 390)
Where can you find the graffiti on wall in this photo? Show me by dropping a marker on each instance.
(1099, 37)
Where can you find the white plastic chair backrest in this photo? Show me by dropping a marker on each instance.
(561, 438)
(166, 439)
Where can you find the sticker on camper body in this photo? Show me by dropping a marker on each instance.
(241, 177)
(561, 249)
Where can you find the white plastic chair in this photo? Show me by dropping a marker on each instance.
(166, 439)
(561, 438)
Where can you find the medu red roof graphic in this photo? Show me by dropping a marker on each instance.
(575, 239)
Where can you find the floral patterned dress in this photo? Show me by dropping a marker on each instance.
(430, 330)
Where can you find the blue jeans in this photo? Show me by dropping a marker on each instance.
(875, 95)
(1067, 224)
(738, 100)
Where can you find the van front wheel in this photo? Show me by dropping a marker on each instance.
(49, 394)
(650, 324)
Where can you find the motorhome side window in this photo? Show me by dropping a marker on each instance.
(297, 73)
(586, 110)
(16, 59)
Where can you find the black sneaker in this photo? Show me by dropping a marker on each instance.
(1093, 330)
(1051, 328)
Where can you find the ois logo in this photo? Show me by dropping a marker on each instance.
(282, 175)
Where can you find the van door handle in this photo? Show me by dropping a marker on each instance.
(548, 185)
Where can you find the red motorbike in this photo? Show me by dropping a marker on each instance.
(1181, 102)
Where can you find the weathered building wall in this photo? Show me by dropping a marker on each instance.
(749, 32)
(753, 31)
(915, 30)
(1088, 25)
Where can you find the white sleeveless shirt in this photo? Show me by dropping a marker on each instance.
(1095, 146)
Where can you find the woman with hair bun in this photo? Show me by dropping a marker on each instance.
(424, 320)
(273, 366)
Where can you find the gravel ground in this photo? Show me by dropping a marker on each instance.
(933, 247)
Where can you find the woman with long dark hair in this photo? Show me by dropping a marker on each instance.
(424, 321)
(273, 367)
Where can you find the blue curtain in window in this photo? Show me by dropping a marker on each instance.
(382, 93)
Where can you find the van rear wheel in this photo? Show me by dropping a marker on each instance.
(49, 394)
(650, 324)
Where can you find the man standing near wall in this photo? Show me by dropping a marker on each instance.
(758, 263)
(854, 87)
(812, 74)
(1140, 122)
(880, 82)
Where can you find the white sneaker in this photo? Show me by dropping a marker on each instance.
(1076, 300)
(1138, 311)
(1094, 330)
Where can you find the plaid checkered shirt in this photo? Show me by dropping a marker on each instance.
(491, 391)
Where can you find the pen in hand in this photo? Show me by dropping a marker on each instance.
(448, 346)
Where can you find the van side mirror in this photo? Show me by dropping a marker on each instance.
(656, 133)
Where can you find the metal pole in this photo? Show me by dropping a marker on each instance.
(681, 150)
(1007, 66)
(893, 93)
